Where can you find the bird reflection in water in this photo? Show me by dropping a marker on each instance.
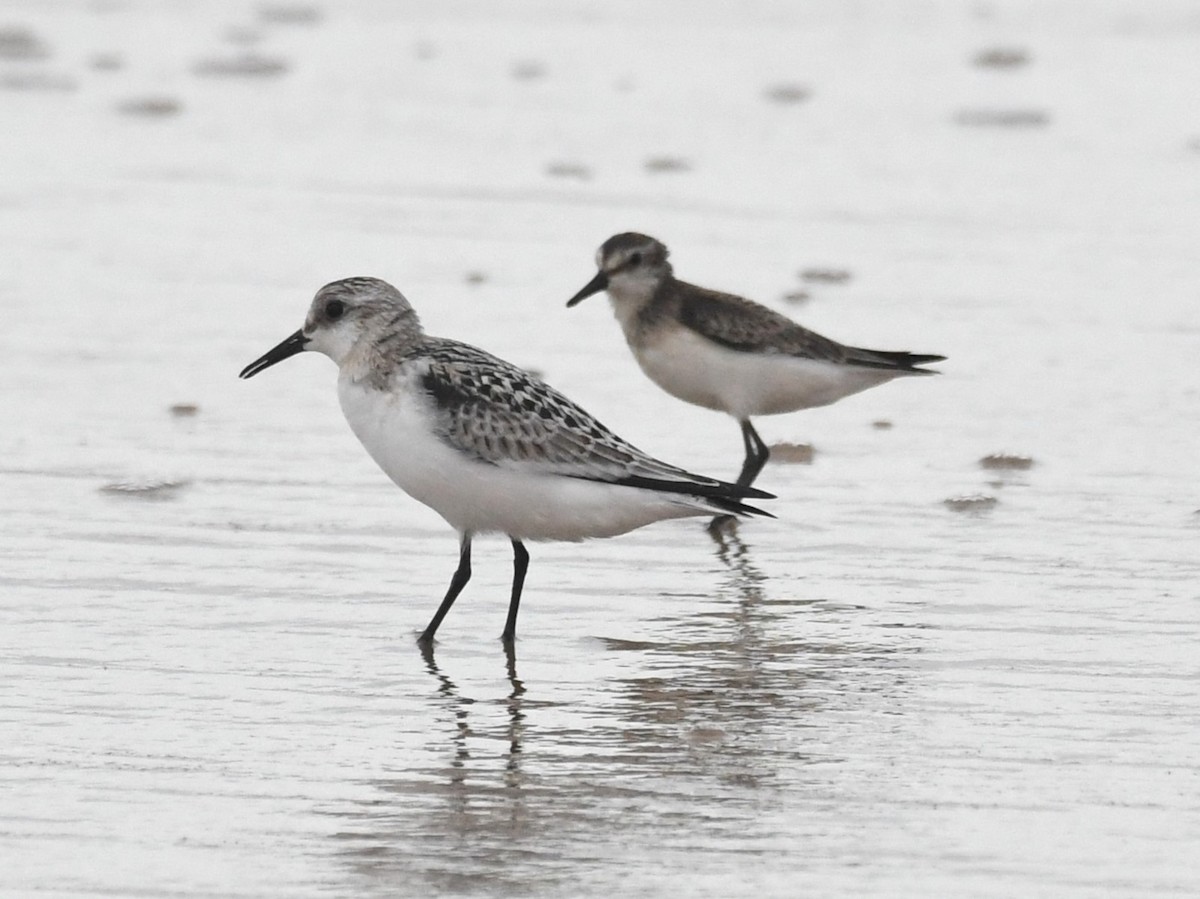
(460, 706)
(705, 693)
(449, 827)
(740, 696)
(736, 691)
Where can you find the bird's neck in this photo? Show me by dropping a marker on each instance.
(374, 359)
(639, 305)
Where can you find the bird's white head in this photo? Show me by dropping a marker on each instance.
(631, 268)
(349, 318)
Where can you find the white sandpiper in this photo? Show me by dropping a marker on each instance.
(488, 446)
(728, 353)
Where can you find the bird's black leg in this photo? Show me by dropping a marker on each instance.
(520, 565)
(756, 454)
(756, 457)
(461, 576)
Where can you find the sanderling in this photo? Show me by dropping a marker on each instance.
(488, 446)
(727, 353)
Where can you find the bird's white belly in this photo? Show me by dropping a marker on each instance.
(743, 384)
(396, 428)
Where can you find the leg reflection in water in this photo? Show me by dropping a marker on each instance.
(747, 579)
(460, 706)
(516, 719)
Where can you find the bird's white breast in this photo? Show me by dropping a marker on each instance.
(397, 428)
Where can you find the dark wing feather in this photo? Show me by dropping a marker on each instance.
(742, 325)
(503, 415)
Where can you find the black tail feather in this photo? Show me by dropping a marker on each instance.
(708, 489)
(719, 494)
(900, 360)
(734, 507)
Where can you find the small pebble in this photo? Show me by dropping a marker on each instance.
(475, 277)
(666, 164)
(289, 13)
(37, 81)
(150, 107)
(881, 424)
(106, 62)
(787, 94)
(184, 410)
(792, 453)
(797, 297)
(248, 65)
(817, 275)
(970, 502)
(1001, 58)
(1003, 118)
(1006, 462)
(568, 170)
(17, 42)
(528, 70)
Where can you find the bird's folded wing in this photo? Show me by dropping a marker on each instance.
(500, 414)
(739, 324)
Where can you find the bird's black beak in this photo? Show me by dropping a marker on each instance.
(289, 347)
(595, 285)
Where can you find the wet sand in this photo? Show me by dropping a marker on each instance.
(931, 675)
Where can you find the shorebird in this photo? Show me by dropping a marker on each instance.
(728, 353)
(488, 446)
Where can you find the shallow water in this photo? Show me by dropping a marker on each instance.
(211, 686)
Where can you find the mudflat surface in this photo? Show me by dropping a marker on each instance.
(926, 677)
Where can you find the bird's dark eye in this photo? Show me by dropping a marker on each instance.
(635, 259)
(334, 309)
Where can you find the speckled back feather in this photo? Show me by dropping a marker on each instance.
(498, 413)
